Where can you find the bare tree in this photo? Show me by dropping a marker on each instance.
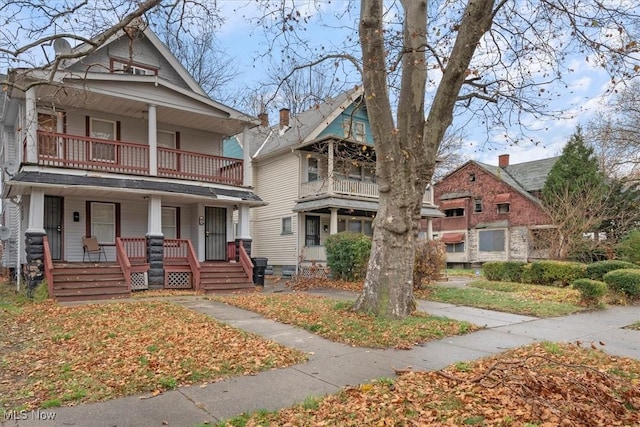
(615, 135)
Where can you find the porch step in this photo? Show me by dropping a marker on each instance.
(224, 277)
(83, 281)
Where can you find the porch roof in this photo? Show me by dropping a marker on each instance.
(336, 202)
(145, 186)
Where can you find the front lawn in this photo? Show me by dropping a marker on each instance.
(336, 321)
(545, 384)
(52, 355)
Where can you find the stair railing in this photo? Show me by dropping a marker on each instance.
(194, 264)
(48, 265)
(245, 262)
(123, 260)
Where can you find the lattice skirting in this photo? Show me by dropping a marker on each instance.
(313, 272)
(178, 280)
(139, 281)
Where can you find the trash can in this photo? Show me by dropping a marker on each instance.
(259, 268)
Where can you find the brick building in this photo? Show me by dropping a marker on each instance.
(493, 213)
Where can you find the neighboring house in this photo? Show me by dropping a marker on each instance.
(493, 213)
(124, 145)
(316, 171)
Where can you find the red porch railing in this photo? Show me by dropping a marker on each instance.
(58, 149)
(128, 249)
(135, 248)
(245, 262)
(201, 167)
(48, 265)
(81, 152)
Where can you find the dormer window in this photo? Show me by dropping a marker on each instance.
(127, 67)
(354, 129)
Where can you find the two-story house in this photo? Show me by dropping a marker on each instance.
(123, 145)
(493, 213)
(316, 171)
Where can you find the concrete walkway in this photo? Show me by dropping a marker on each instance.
(332, 366)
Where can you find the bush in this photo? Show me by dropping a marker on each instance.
(591, 291)
(506, 271)
(430, 260)
(556, 273)
(347, 255)
(626, 281)
(597, 270)
(629, 248)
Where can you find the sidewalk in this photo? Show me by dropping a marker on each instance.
(332, 366)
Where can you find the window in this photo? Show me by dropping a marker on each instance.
(472, 177)
(166, 139)
(354, 129)
(477, 206)
(170, 222)
(103, 129)
(503, 208)
(287, 225)
(312, 169)
(355, 226)
(450, 213)
(491, 240)
(103, 222)
(127, 67)
(455, 247)
(48, 145)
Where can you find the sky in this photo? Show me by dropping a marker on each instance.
(588, 89)
(245, 44)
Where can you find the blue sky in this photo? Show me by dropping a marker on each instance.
(579, 102)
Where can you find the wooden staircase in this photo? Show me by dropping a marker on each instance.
(87, 281)
(219, 277)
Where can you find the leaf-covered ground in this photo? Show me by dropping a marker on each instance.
(542, 385)
(336, 321)
(52, 355)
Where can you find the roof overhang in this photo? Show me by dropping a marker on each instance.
(95, 185)
(453, 237)
(364, 205)
(453, 204)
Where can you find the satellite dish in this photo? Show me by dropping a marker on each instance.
(5, 233)
(11, 167)
(61, 47)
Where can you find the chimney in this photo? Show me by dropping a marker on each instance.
(284, 118)
(503, 160)
(264, 120)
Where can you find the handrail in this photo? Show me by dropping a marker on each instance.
(123, 260)
(194, 264)
(245, 261)
(48, 265)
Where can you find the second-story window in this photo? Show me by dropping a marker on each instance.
(503, 208)
(450, 213)
(103, 129)
(477, 205)
(313, 173)
(127, 67)
(354, 129)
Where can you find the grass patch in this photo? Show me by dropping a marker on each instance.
(635, 326)
(52, 355)
(518, 298)
(526, 386)
(334, 320)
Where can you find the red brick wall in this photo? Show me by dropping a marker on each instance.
(486, 186)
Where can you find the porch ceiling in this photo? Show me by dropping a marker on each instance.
(118, 188)
(171, 108)
(336, 202)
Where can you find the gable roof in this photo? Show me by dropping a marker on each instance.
(525, 178)
(156, 42)
(303, 128)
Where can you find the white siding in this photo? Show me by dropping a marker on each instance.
(276, 182)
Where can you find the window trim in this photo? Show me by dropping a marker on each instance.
(283, 227)
(88, 225)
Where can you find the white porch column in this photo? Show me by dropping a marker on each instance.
(429, 228)
(155, 216)
(247, 172)
(153, 141)
(36, 208)
(330, 177)
(333, 224)
(244, 233)
(31, 126)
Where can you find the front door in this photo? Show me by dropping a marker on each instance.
(215, 232)
(53, 225)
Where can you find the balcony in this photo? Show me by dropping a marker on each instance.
(345, 187)
(80, 152)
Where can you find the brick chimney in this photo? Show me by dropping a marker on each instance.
(284, 117)
(264, 119)
(503, 160)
